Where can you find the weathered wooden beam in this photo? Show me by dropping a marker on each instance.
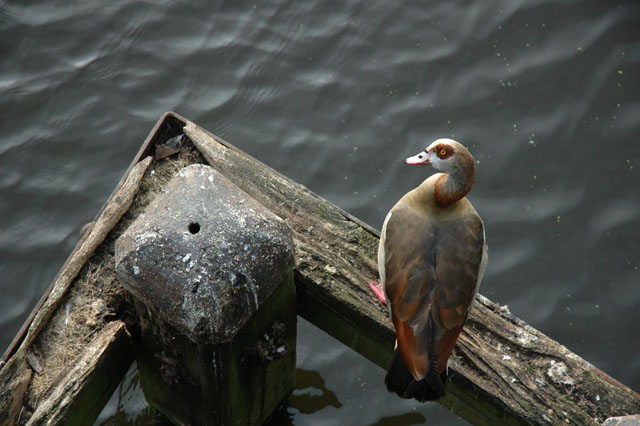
(16, 377)
(502, 371)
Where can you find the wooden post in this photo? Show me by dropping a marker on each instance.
(212, 274)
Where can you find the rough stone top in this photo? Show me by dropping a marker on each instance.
(204, 255)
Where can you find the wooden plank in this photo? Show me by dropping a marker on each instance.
(502, 371)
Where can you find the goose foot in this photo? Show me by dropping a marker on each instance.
(378, 291)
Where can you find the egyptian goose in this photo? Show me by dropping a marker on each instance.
(431, 258)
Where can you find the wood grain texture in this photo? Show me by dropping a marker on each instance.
(502, 371)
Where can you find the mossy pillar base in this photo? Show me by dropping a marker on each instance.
(241, 382)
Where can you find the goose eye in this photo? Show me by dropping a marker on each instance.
(443, 153)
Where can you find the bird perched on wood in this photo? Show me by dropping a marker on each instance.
(431, 258)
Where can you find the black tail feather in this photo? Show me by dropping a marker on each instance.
(400, 381)
(398, 377)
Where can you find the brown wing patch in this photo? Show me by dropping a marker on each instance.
(450, 317)
(444, 346)
(411, 350)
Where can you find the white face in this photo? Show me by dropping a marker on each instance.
(438, 155)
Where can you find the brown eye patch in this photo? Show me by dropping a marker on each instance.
(444, 151)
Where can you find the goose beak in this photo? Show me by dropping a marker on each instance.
(420, 159)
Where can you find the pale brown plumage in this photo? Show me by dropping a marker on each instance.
(431, 258)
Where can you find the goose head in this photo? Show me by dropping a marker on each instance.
(446, 155)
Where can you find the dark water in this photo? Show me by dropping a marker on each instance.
(335, 95)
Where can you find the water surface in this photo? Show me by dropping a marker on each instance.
(335, 95)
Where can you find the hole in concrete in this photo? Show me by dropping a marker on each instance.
(194, 227)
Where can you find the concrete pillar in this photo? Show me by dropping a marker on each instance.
(211, 272)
